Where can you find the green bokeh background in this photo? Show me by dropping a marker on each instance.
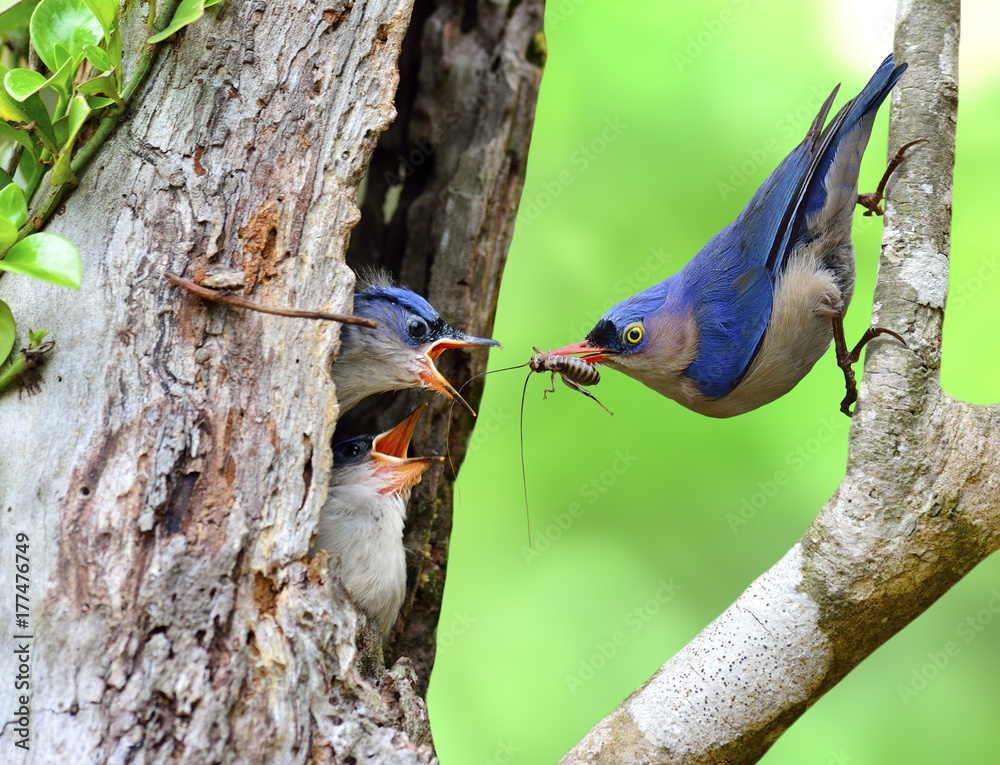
(694, 92)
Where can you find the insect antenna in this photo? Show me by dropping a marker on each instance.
(524, 474)
(447, 437)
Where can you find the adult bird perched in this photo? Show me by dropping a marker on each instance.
(751, 313)
(401, 352)
(362, 519)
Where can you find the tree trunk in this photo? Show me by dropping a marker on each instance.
(170, 474)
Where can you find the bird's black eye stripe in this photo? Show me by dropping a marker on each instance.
(420, 329)
(603, 335)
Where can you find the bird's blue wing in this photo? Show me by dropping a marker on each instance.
(831, 183)
(730, 281)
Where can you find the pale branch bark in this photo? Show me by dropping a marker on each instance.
(918, 508)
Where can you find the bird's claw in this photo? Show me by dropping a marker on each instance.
(846, 360)
(872, 201)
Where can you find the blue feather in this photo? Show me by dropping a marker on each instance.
(858, 112)
(725, 281)
(728, 287)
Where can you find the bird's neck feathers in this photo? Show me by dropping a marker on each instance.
(356, 519)
(370, 362)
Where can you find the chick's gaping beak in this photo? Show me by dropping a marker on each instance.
(431, 378)
(398, 472)
(586, 351)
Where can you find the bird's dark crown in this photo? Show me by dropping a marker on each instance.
(413, 318)
(607, 333)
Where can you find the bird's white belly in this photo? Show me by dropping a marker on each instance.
(373, 562)
(800, 331)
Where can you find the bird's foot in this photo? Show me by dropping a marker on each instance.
(872, 202)
(846, 359)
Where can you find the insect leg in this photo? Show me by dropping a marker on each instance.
(586, 393)
(552, 382)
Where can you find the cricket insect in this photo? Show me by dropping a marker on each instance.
(575, 372)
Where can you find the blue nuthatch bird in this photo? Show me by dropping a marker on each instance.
(751, 313)
(401, 352)
(362, 519)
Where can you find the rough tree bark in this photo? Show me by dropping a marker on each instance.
(919, 506)
(171, 471)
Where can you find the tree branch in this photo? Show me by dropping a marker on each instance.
(914, 513)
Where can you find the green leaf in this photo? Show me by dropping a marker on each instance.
(21, 83)
(99, 102)
(8, 235)
(62, 81)
(187, 12)
(20, 136)
(115, 49)
(106, 12)
(16, 15)
(49, 257)
(69, 23)
(10, 110)
(5, 178)
(210, 3)
(105, 85)
(98, 58)
(62, 172)
(35, 337)
(31, 169)
(12, 206)
(8, 331)
(32, 109)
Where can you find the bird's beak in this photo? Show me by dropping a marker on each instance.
(398, 472)
(585, 350)
(428, 373)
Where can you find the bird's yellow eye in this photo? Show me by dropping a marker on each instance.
(634, 333)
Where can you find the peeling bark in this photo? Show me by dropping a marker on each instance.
(171, 472)
(918, 508)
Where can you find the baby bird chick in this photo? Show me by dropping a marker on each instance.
(362, 520)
